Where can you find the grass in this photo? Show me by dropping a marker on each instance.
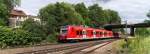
(117, 47)
(139, 45)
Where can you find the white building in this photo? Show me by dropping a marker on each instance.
(18, 16)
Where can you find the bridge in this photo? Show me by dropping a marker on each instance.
(131, 26)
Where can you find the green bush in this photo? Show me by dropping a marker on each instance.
(139, 45)
(142, 31)
(9, 37)
(52, 38)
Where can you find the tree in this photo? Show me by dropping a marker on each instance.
(146, 21)
(81, 8)
(59, 14)
(47, 19)
(4, 13)
(148, 14)
(34, 27)
(112, 17)
(11, 3)
(96, 15)
(83, 11)
(68, 14)
(5, 7)
(142, 31)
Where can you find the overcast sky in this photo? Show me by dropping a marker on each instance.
(132, 10)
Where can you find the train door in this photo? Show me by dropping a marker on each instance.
(97, 34)
(94, 34)
(79, 34)
(103, 34)
(84, 34)
(110, 34)
(89, 33)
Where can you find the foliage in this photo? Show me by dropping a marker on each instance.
(100, 17)
(52, 38)
(95, 14)
(5, 8)
(10, 4)
(10, 37)
(138, 45)
(111, 17)
(34, 27)
(55, 15)
(147, 21)
(142, 31)
(148, 14)
(83, 11)
(3, 13)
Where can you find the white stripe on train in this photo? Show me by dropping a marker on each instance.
(89, 38)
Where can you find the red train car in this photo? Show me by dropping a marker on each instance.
(80, 33)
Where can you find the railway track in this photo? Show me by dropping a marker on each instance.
(70, 49)
(81, 50)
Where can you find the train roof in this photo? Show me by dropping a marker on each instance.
(83, 27)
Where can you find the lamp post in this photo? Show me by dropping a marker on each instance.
(126, 29)
(126, 32)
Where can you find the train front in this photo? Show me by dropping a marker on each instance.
(63, 34)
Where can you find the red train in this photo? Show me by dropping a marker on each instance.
(81, 33)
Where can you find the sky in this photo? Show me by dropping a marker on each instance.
(134, 11)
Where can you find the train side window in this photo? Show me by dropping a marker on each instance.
(101, 33)
(91, 32)
(97, 33)
(78, 33)
(105, 33)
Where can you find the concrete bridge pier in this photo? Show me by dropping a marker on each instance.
(132, 32)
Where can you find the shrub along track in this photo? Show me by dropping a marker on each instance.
(69, 48)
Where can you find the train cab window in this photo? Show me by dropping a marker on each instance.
(63, 31)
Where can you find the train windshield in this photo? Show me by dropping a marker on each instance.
(63, 31)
